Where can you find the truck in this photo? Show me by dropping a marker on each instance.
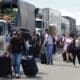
(26, 17)
(23, 18)
(3, 35)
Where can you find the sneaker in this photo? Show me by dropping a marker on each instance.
(17, 75)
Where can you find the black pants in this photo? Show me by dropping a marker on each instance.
(54, 49)
(76, 53)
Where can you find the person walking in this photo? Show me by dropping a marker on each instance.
(48, 42)
(16, 48)
(66, 49)
(76, 52)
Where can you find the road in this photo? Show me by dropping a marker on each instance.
(59, 71)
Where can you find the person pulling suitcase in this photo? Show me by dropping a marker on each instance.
(16, 48)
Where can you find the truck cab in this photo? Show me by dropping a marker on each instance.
(3, 34)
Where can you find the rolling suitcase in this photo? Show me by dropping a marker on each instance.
(64, 56)
(29, 66)
(43, 55)
(5, 66)
(43, 58)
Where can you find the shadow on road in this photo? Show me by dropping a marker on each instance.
(23, 78)
(39, 76)
(65, 65)
(42, 73)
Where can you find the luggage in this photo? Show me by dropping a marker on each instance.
(5, 66)
(29, 66)
(43, 56)
(64, 56)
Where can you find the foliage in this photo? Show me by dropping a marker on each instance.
(52, 29)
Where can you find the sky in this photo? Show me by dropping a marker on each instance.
(66, 7)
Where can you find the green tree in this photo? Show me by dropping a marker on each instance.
(52, 29)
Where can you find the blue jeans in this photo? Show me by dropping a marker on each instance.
(49, 55)
(16, 61)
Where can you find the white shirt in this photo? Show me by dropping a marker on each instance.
(27, 45)
(48, 38)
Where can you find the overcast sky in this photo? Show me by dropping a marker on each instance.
(67, 7)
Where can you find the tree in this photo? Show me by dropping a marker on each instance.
(52, 29)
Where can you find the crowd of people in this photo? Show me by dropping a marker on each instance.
(32, 44)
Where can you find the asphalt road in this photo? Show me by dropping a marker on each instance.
(59, 71)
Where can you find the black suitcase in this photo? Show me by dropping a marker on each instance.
(5, 66)
(43, 58)
(64, 56)
(29, 66)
